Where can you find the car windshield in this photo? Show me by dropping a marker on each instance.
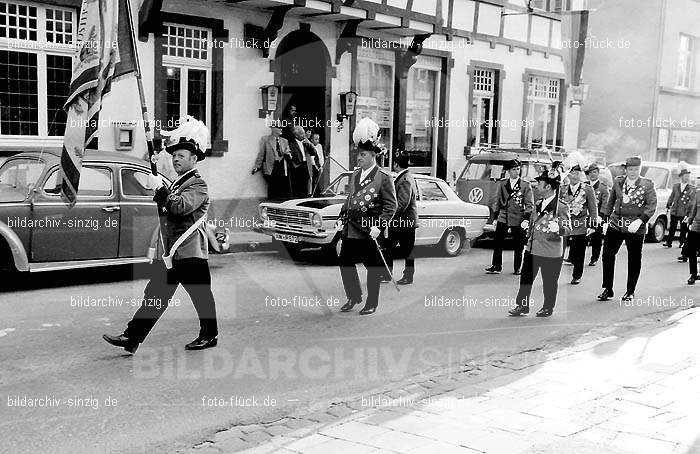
(493, 170)
(339, 186)
(18, 177)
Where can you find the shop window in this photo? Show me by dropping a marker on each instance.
(685, 62)
(188, 70)
(542, 110)
(35, 68)
(375, 89)
(421, 107)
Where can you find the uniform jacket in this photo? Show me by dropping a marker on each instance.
(639, 203)
(406, 192)
(694, 215)
(540, 241)
(372, 202)
(181, 205)
(681, 202)
(602, 193)
(514, 205)
(268, 153)
(583, 207)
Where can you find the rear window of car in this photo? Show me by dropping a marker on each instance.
(17, 177)
(94, 182)
(430, 190)
(135, 183)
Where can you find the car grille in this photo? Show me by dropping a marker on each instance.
(288, 216)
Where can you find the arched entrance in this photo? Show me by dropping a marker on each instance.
(303, 72)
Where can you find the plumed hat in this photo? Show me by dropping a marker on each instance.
(191, 134)
(366, 136)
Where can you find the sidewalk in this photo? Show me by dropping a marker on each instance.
(632, 390)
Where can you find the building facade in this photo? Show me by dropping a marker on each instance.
(440, 77)
(642, 68)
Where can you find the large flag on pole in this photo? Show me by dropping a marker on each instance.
(574, 30)
(105, 49)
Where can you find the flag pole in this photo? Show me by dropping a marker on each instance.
(142, 96)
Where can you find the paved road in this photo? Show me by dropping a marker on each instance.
(271, 358)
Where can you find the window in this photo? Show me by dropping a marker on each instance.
(17, 177)
(542, 109)
(135, 183)
(36, 49)
(422, 96)
(685, 62)
(94, 182)
(430, 190)
(188, 67)
(482, 124)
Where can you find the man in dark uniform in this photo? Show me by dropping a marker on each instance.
(601, 193)
(364, 217)
(678, 207)
(691, 248)
(631, 204)
(402, 230)
(514, 203)
(583, 209)
(183, 210)
(546, 229)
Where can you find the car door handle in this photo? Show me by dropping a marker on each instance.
(111, 209)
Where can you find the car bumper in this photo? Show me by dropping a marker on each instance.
(305, 237)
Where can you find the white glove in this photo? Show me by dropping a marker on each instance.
(634, 226)
(589, 231)
(525, 224)
(495, 221)
(339, 225)
(605, 228)
(155, 181)
(598, 220)
(374, 232)
(553, 226)
(686, 220)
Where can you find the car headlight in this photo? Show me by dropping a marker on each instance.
(263, 213)
(316, 220)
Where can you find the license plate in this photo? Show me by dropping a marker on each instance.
(287, 238)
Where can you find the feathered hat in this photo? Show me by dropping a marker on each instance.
(366, 136)
(683, 168)
(552, 176)
(191, 134)
(575, 161)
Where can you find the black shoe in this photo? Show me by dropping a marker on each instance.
(406, 280)
(519, 310)
(575, 281)
(544, 312)
(627, 297)
(517, 272)
(493, 270)
(667, 245)
(384, 279)
(682, 259)
(368, 310)
(122, 341)
(201, 343)
(593, 262)
(347, 307)
(606, 295)
(692, 279)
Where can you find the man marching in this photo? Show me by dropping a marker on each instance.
(546, 229)
(601, 193)
(691, 248)
(678, 207)
(583, 209)
(514, 202)
(631, 204)
(183, 209)
(365, 216)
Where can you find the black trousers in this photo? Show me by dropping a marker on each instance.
(279, 185)
(551, 268)
(691, 248)
(613, 241)
(193, 274)
(596, 243)
(361, 250)
(403, 241)
(300, 181)
(672, 226)
(577, 253)
(519, 237)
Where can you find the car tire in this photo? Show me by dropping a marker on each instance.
(658, 231)
(451, 243)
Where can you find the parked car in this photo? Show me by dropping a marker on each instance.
(445, 221)
(664, 175)
(113, 222)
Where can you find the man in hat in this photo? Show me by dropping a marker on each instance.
(546, 229)
(183, 209)
(678, 207)
(583, 210)
(363, 218)
(514, 203)
(601, 194)
(402, 231)
(691, 248)
(631, 204)
(274, 159)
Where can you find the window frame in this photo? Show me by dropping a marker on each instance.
(423, 181)
(686, 63)
(42, 48)
(425, 65)
(121, 183)
(55, 169)
(532, 100)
